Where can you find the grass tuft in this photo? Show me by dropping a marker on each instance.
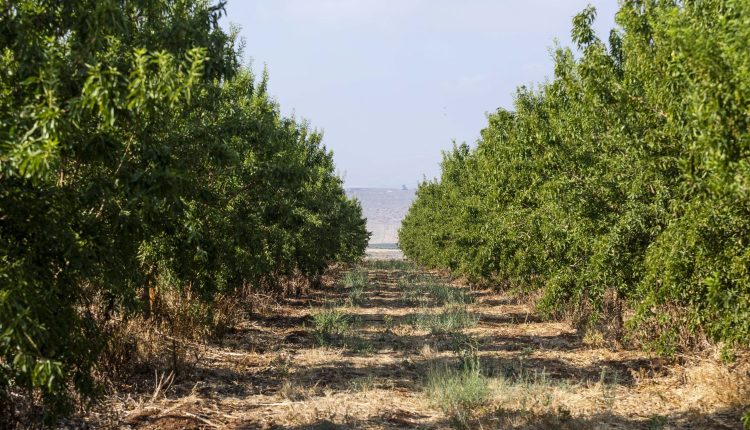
(330, 325)
(356, 296)
(414, 293)
(445, 294)
(364, 384)
(453, 318)
(402, 265)
(356, 281)
(356, 278)
(414, 296)
(457, 392)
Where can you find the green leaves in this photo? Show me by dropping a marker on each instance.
(622, 181)
(156, 81)
(582, 34)
(137, 159)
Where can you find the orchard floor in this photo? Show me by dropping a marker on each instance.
(280, 371)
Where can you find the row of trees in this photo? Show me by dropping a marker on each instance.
(620, 189)
(138, 156)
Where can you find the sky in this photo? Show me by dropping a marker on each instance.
(392, 83)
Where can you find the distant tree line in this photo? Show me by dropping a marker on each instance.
(618, 191)
(139, 158)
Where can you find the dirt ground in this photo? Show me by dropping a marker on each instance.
(275, 372)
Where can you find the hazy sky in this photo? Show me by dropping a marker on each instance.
(392, 82)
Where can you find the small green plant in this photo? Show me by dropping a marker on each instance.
(402, 265)
(457, 392)
(358, 344)
(746, 420)
(282, 365)
(451, 319)
(388, 322)
(356, 296)
(329, 325)
(469, 359)
(445, 294)
(656, 422)
(728, 354)
(413, 278)
(356, 278)
(535, 389)
(460, 342)
(413, 295)
(429, 292)
(356, 281)
(608, 385)
(364, 384)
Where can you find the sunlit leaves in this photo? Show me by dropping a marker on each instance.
(623, 180)
(136, 154)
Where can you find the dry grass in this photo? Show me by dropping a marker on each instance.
(269, 371)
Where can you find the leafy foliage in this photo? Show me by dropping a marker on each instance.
(137, 156)
(622, 182)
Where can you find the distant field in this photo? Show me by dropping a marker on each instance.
(384, 246)
(384, 209)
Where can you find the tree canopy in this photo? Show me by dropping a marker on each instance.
(137, 155)
(621, 184)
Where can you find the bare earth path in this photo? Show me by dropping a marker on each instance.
(353, 357)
